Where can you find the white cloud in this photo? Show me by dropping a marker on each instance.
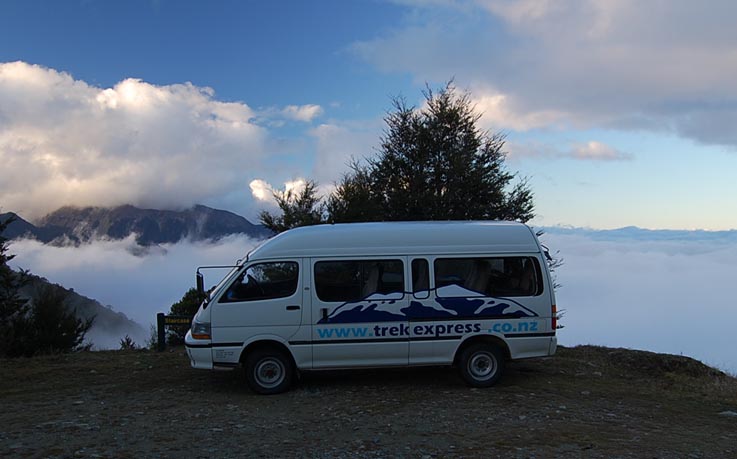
(305, 113)
(587, 151)
(276, 117)
(338, 144)
(594, 63)
(264, 191)
(295, 186)
(660, 291)
(140, 285)
(597, 151)
(63, 141)
(499, 113)
(261, 190)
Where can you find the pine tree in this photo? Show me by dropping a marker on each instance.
(300, 208)
(53, 327)
(13, 308)
(434, 164)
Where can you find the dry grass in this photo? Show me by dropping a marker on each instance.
(586, 401)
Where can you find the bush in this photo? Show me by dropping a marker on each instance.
(152, 343)
(187, 306)
(52, 328)
(127, 344)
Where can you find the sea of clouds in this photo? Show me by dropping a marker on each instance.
(661, 291)
(138, 282)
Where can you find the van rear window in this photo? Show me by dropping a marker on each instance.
(497, 277)
(353, 280)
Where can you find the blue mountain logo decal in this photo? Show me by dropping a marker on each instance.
(450, 302)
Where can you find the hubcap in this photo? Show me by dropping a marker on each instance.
(269, 372)
(482, 365)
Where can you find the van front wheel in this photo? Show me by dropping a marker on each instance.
(269, 371)
(481, 365)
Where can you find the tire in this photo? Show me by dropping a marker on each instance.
(269, 371)
(481, 365)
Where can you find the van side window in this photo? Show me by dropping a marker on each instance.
(498, 277)
(264, 281)
(420, 278)
(354, 280)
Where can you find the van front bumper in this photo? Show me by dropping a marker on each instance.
(199, 352)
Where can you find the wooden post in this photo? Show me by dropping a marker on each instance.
(161, 332)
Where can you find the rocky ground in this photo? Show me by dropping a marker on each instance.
(586, 402)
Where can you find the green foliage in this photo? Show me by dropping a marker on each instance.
(187, 306)
(127, 344)
(55, 328)
(13, 308)
(301, 208)
(554, 261)
(152, 342)
(434, 164)
(39, 325)
(354, 199)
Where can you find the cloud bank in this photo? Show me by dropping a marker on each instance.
(116, 273)
(662, 66)
(64, 141)
(661, 291)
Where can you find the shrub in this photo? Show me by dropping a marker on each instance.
(53, 328)
(127, 344)
(187, 306)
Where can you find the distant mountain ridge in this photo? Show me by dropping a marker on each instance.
(74, 225)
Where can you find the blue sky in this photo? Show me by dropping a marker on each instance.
(620, 113)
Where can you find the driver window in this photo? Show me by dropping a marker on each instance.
(264, 281)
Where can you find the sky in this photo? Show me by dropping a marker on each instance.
(619, 113)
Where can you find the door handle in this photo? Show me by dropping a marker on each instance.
(293, 307)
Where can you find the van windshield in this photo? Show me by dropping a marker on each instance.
(224, 281)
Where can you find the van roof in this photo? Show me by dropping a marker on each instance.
(400, 238)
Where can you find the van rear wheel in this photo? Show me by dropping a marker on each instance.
(481, 365)
(269, 371)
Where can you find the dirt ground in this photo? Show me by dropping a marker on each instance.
(586, 402)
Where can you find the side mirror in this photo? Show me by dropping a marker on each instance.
(200, 279)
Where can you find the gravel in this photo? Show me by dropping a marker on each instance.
(142, 404)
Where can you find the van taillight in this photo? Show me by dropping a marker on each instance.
(554, 317)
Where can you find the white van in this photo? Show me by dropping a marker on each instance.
(471, 294)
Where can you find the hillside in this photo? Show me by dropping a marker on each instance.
(586, 402)
(109, 326)
(83, 224)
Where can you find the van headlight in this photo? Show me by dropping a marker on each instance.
(200, 330)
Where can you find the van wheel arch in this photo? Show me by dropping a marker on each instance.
(275, 352)
(481, 360)
(482, 339)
